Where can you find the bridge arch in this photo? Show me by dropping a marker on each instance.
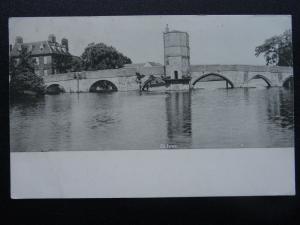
(152, 82)
(103, 86)
(213, 74)
(288, 82)
(55, 89)
(259, 76)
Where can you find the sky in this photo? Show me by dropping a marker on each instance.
(217, 39)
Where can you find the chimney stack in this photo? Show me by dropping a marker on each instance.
(51, 38)
(65, 43)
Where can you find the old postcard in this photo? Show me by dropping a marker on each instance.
(151, 106)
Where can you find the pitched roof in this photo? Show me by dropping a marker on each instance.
(134, 64)
(40, 48)
(143, 64)
(154, 64)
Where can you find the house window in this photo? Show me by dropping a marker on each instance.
(37, 61)
(176, 74)
(45, 72)
(49, 60)
(45, 59)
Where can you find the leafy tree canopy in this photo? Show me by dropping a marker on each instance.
(67, 63)
(100, 56)
(61, 63)
(76, 64)
(277, 50)
(22, 75)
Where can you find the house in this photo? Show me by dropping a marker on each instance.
(47, 54)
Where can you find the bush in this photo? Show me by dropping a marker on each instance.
(23, 78)
(26, 81)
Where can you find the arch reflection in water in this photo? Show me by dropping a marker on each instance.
(179, 117)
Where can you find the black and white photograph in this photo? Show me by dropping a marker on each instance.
(151, 106)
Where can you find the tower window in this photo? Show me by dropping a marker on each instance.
(176, 74)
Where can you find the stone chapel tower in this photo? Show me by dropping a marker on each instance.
(176, 54)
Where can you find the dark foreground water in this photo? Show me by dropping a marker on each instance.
(217, 118)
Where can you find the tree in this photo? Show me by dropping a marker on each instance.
(100, 56)
(61, 62)
(76, 64)
(22, 75)
(67, 63)
(277, 50)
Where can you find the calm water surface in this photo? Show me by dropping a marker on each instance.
(217, 118)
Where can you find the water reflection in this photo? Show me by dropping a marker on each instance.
(26, 105)
(221, 118)
(281, 108)
(179, 118)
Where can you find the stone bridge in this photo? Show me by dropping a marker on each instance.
(241, 75)
(124, 79)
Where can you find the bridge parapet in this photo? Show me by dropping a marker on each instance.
(281, 69)
(241, 75)
(111, 73)
(59, 77)
(98, 74)
(125, 79)
(244, 68)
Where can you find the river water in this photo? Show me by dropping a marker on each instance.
(203, 118)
